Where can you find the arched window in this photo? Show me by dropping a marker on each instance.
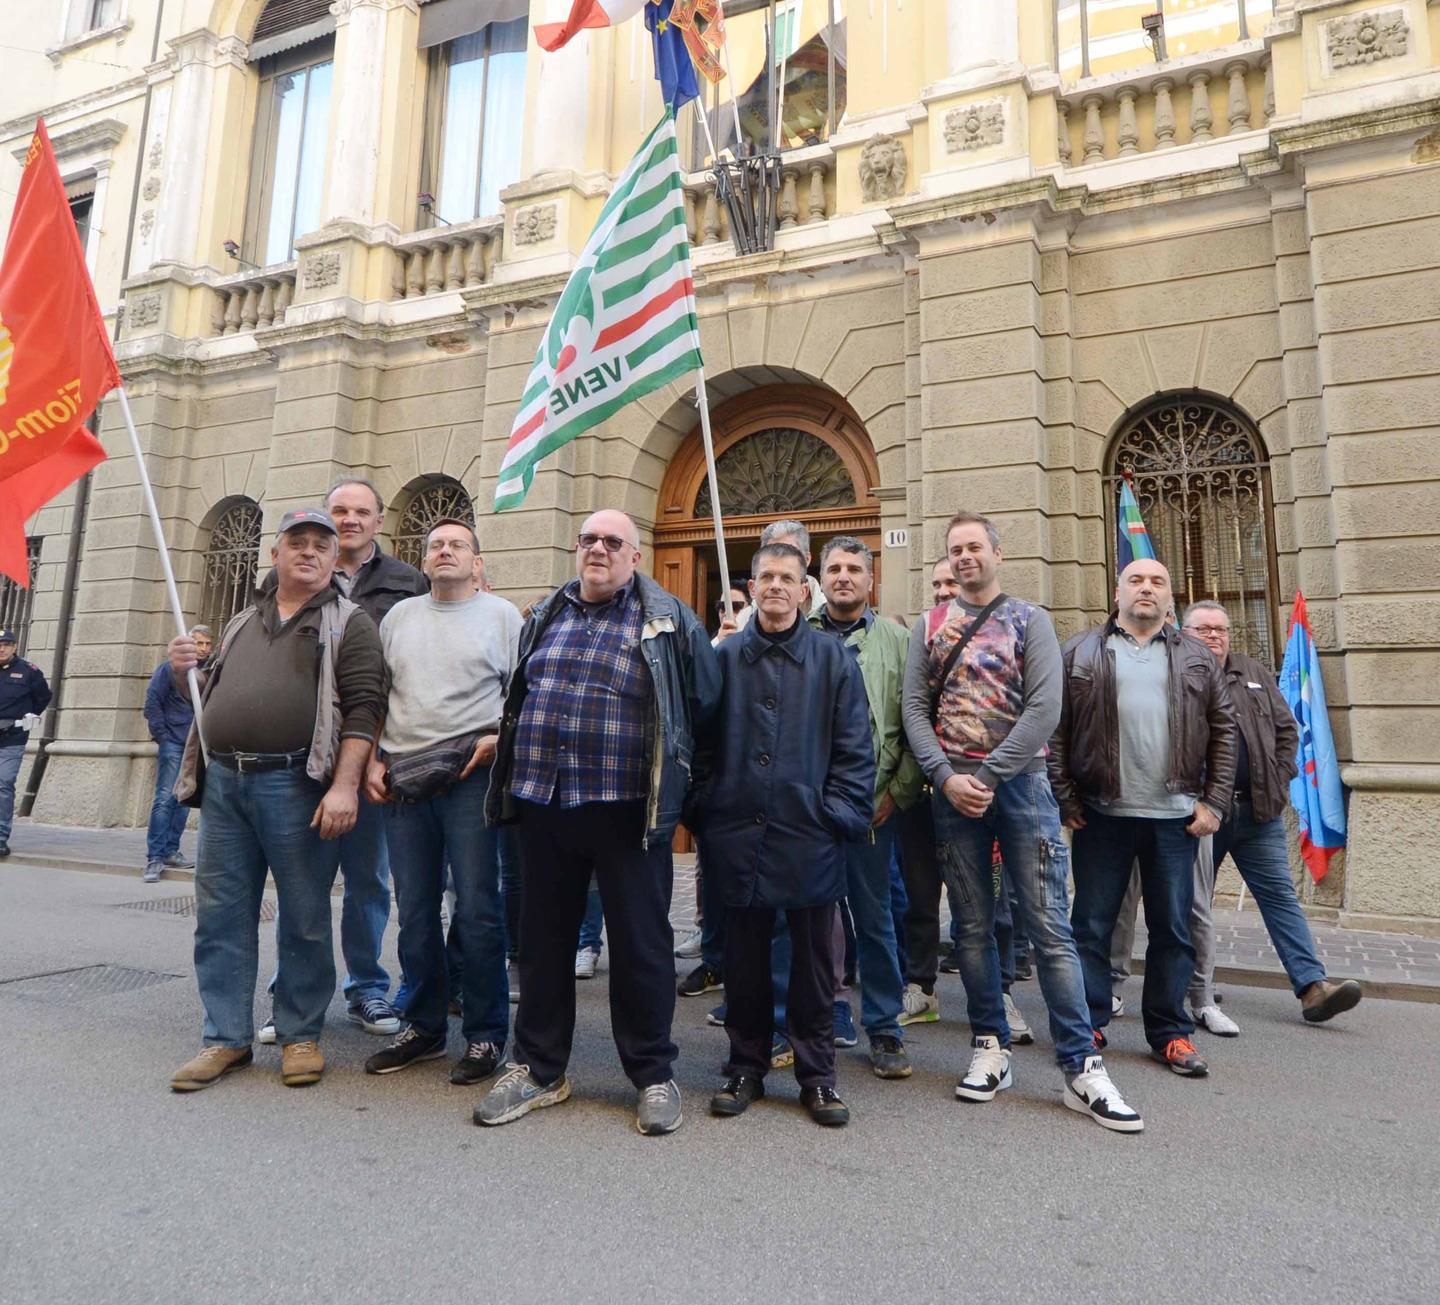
(442, 497)
(231, 561)
(1203, 485)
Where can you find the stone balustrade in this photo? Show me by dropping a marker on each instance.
(1121, 116)
(445, 258)
(259, 300)
(806, 196)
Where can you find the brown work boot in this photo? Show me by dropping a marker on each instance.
(210, 1065)
(301, 1063)
(1325, 998)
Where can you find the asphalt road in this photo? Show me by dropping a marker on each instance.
(1306, 1168)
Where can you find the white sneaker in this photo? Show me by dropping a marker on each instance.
(919, 1006)
(585, 961)
(1020, 1034)
(1214, 1020)
(267, 1032)
(989, 1071)
(1092, 1093)
(1117, 1005)
(687, 948)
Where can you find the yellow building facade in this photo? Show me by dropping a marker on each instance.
(1006, 250)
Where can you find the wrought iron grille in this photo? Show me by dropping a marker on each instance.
(778, 471)
(444, 498)
(1204, 490)
(231, 562)
(16, 603)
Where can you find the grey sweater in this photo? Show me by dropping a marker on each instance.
(995, 714)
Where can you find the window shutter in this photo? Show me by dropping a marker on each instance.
(284, 24)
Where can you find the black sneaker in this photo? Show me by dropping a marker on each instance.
(737, 1094)
(479, 1061)
(1023, 967)
(888, 1058)
(179, 861)
(4, 850)
(407, 1049)
(824, 1106)
(377, 1016)
(701, 979)
(950, 962)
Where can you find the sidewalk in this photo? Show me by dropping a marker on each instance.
(1396, 965)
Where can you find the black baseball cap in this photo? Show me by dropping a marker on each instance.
(8, 636)
(307, 517)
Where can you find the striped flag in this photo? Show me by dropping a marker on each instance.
(1315, 792)
(625, 324)
(1133, 540)
(584, 14)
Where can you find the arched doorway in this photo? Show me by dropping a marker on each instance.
(796, 451)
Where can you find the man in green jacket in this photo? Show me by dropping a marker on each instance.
(880, 648)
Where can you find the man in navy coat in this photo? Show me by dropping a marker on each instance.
(792, 779)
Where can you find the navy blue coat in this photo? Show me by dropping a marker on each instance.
(791, 770)
(168, 711)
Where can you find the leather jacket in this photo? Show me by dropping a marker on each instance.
(1271, 735)
(1084, 760)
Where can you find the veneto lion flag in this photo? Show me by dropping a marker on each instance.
(55, 359)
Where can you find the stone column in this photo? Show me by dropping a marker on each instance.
(982, 32)
(560, 105)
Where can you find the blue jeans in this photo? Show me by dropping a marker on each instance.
(867, 873)
(899, 899)
(10, 759)
(249, 823)
(593, 921)
(1105, 852)
(1260, 853)
(365, 908)
(1026, 820)
(167, 816)
(422, 836)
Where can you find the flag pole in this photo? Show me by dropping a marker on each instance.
(159, 529)
(703, 400)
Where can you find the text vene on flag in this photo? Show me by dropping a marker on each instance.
(55, 359)
(1316, 792)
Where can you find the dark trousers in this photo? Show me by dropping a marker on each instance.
(923, 882)
(563, 847)
(810, 997)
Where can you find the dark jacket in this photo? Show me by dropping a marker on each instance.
(1271, 735)
(23, 692)
(790, 770)
(685, 681)
(1085, 750)
(168, 712)
(378, 585)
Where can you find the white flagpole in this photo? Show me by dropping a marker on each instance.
(164, 556)
(715, 516)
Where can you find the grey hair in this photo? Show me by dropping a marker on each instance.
(776, 529)
(848, 544)
(356, 480)
(1205, 605)
(202, 629)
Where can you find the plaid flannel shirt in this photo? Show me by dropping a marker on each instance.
(583, 733)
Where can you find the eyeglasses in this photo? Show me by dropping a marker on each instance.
(613, 543)
(1205, 631)
(455, 545)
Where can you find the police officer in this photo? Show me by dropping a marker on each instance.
(24, 694)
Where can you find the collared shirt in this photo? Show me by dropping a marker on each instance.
(584, 731)
(842, 632)
(343, 581)
(1142, 697)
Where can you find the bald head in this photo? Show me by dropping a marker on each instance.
(1142, 596)
(606, 554)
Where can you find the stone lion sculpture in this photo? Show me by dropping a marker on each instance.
(882, 168)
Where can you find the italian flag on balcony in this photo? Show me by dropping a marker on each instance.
(625, 324)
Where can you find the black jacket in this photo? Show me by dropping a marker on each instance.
(1084, 757)
(685, 682)
(23, 691)
(791, 770)
(378, 585)
(1271, 735)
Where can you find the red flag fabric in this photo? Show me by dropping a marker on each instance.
(55, 358)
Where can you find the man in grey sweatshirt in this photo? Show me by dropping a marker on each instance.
(982, 697)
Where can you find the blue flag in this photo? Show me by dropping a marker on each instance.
(1132, 540)
(673, 67)
(1315, 793)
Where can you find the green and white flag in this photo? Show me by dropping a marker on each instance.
(625, 324)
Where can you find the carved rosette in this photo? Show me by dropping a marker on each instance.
(975, 126)
(534, 224)
(320, 270)
(1359, 39)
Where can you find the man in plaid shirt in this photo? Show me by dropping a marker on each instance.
(614, 676)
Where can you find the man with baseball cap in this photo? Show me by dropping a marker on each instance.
(24, 694)
(292, 701)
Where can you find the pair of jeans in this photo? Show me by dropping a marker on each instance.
(593, 922)
(365, 907)
(248, 823)
(1024, 818)
(1105, 850)
(899, 899)
(867, 882)
(421, 837)
(563, 847)
(10, 759)
(1260, 852)
(167, 816)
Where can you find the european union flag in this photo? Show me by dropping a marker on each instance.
(673, 67)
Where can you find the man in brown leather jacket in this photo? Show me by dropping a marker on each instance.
(1253, 834)
(1142, 764)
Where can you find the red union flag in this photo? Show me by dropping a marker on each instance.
(55, 359)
